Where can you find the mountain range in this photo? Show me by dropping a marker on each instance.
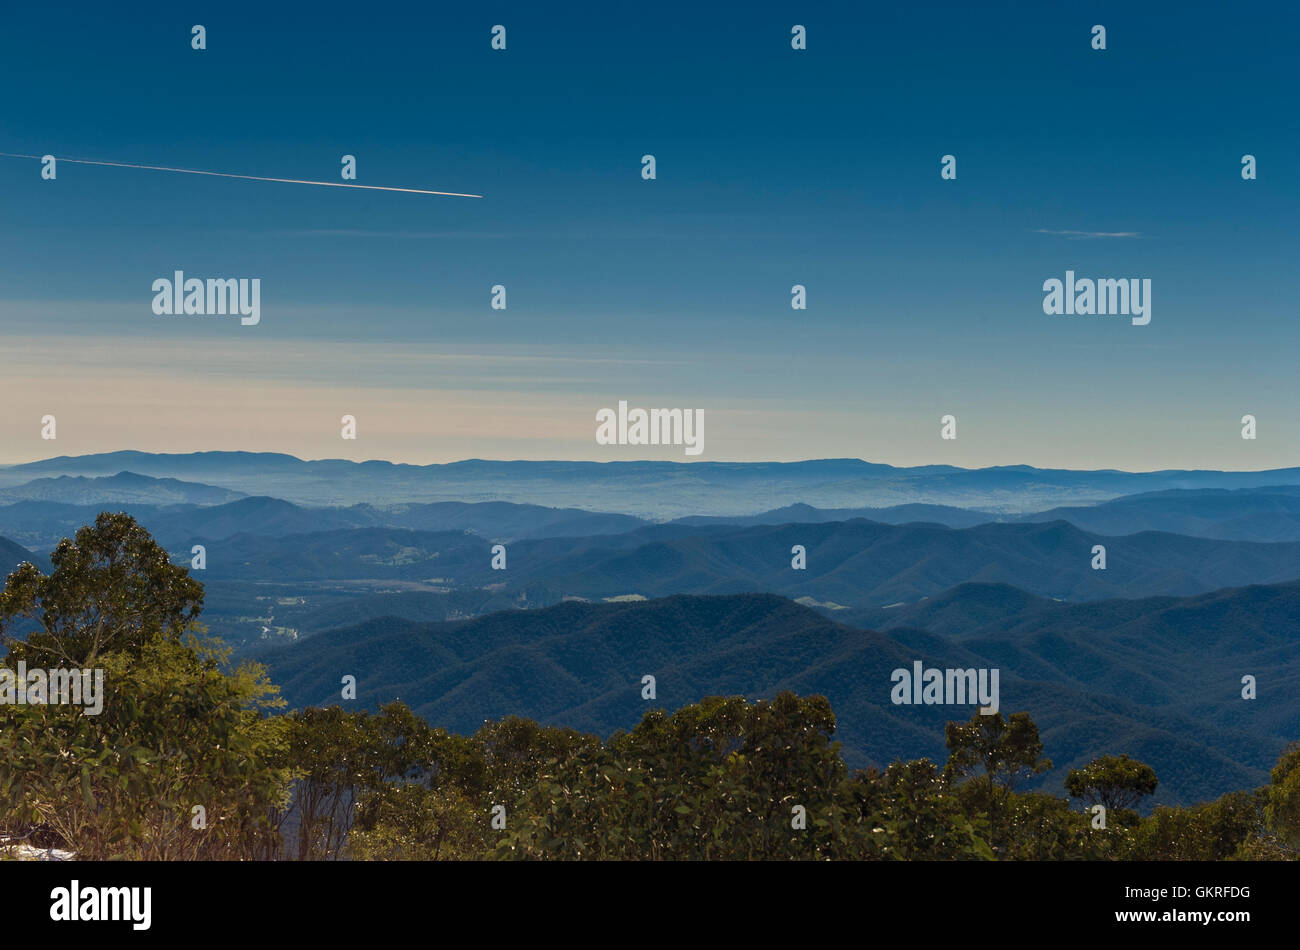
(39, 512)
(684, 571)
(1156, 678)
(654, 490)
(852, 563)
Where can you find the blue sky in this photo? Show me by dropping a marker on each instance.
(775, 167)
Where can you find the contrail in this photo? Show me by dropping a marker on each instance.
(291, 181)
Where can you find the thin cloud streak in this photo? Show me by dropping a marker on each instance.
(1077, 235)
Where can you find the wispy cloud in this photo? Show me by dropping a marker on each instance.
(1082, 235)
(393, 235)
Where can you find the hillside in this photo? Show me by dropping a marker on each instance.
(121, 488)
(1167, 694)
(267, 586)
(1245, 514)
(894, 514)
(11, 555)
(42, 523)
(862, 563)
(855, 563)
(951, 612)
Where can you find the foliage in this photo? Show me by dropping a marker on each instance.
(175, 732)
(112, 589)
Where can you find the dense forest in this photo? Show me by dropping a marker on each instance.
(195, 757)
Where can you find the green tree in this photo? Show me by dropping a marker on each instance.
(1114, 781)
(112, 588)
(181, 761)
(1002, 750)
(987, 757)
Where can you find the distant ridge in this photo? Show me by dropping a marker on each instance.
(1267, 513)
(41, 523)
(143, 461)
(895, 514)
(123, 487)
(658, 490)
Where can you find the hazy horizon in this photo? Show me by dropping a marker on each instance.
(359, 460)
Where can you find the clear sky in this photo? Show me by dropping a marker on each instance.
(775, 167)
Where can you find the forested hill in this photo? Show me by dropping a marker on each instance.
(1169, 695)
